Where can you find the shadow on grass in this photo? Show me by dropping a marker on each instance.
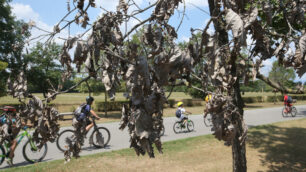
(284, 148)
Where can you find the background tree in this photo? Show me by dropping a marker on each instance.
(95, 86)
(43, 67)
(13, 34)
(283, 76)
(3, 66)
(256, 86)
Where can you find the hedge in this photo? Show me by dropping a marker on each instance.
(117, 105)
(261, 99)
(111, 106)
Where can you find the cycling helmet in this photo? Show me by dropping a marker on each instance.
(179, 104)
(89, 99)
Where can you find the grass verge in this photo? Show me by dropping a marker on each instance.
(275, 147)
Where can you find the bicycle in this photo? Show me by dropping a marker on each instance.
(30, 150)
(100, 134)
(180, 126)
(292, 111)
(208, 120)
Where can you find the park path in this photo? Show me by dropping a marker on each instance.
(120, 139)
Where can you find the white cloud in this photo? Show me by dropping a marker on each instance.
(267, 66)
(184, 39)
(26, 13)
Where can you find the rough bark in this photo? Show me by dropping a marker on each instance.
(238, 147)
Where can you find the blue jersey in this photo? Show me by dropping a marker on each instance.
(85, 112)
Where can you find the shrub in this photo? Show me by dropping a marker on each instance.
(110, 106)
(171, 103)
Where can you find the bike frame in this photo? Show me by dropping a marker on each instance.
(19, 138)
(289, 107)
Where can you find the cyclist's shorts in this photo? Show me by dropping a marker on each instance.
(76, 123)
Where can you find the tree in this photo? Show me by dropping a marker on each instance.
(13, 34)
(3, 66)
(7, 23)
(282, 75)
(95, 86)
(43, 67)
(273, 26)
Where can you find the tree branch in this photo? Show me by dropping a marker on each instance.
(278, 86)
(136, 26)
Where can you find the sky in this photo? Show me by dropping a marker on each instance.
(47, 13)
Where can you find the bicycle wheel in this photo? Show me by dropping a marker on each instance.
(190, 125)
(162, 132)
(177, 128)
(208, 121)
(284, 114)
(32, 153)
(2, 154)
(100, 137)
(293, 111)
(61, 139)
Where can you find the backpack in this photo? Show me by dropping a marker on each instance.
(3, 119)
(79, 110)
(289, 100)
(178, 113)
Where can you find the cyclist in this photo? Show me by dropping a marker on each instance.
(287, 103)
(208, 97)
(83, 118)
(82, 125)
(181, 111)
(10, 127)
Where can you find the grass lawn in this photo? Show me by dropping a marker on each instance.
(78, 98)
(275, 147)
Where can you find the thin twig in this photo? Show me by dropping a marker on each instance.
(199, 8)
(110, 52)
(182, 17)
(136, 26)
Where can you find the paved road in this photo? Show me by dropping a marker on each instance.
(120, 139)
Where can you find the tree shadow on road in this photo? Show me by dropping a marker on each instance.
(283, 149)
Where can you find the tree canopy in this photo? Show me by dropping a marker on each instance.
(283, 76)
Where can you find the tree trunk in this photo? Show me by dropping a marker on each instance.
(238, 148)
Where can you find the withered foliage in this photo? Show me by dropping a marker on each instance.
(224, 65)
(145, 71)
(156, 61)
(43, 118)
(225, 119)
